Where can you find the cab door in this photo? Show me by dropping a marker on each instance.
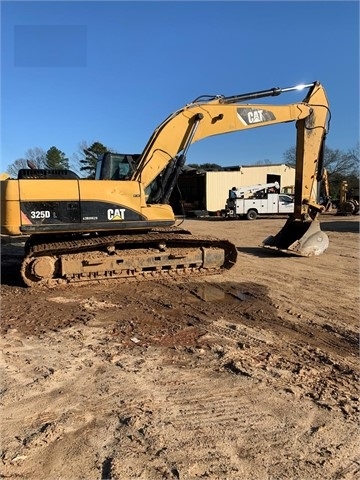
(286, 204)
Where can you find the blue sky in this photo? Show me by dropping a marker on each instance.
(112, 71)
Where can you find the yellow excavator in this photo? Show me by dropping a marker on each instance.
(120, 225)
(348, 203)
(325, 191)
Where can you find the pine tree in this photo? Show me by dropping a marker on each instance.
(56, 160)
(91, 155)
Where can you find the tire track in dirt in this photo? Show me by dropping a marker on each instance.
(189, 415)
(310, 360)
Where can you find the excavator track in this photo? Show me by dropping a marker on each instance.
(51, 261)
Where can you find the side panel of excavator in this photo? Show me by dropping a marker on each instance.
(66, 206)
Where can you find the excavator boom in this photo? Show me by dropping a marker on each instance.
(205, 118)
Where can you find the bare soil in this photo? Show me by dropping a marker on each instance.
(252, 374)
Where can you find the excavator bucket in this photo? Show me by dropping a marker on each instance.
(299, 237)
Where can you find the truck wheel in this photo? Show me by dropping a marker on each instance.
(251, 214)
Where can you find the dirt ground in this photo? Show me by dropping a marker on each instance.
(252, 374)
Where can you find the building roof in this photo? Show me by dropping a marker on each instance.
(239, 167)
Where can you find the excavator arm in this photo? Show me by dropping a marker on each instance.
(301, 235)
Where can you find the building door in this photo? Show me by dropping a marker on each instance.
(270, 178)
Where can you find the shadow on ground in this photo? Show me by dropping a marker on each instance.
(263, 252)
(340, 226)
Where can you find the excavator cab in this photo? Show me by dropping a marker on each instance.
(115, 166)
(118, 166)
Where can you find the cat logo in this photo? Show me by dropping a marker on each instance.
(116, 214)
(249, 116)
(256, 116)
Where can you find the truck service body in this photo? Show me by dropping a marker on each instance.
(271, 204)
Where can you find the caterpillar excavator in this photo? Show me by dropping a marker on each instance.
(348, 203)
(120, 224)
(325, 191)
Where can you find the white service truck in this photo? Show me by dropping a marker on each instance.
(249, 202)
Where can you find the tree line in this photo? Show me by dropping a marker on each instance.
(84, 163)
(340, 165)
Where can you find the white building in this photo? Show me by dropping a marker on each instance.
(208, 191)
